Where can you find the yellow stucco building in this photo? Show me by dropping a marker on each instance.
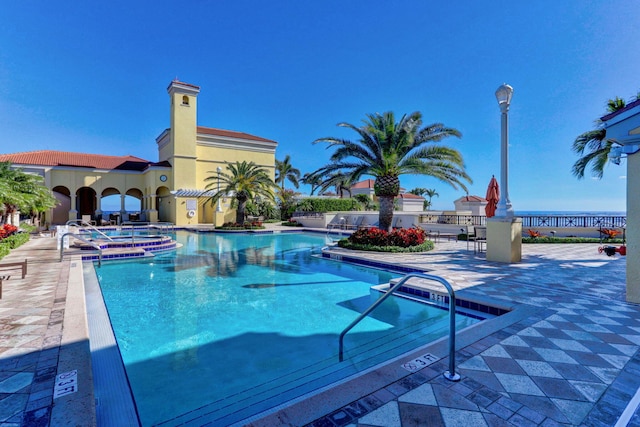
(169, 190)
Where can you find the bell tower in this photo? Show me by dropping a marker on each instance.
(181, 150)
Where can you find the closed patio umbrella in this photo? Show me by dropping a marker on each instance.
(493, 195)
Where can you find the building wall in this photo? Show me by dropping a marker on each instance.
(195, 157)
(633, 228)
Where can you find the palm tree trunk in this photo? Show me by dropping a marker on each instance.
(385, 218)
(242, 203)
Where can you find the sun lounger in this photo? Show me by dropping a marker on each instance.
(336, 222)
(355, 224)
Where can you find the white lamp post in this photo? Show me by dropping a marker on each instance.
(219, 208)
(504, 208)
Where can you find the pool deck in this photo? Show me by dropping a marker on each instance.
(570, 358)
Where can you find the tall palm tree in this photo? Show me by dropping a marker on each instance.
(313, 180)
(285, 171)
(593, 146)
(387, 149)
(245, 181)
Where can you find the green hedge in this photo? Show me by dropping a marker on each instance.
(4, 250)
(425, 247)
(12, 242)
(314, 204)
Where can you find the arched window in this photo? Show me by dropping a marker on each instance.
(185, 100)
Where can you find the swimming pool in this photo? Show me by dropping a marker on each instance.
(231, 325)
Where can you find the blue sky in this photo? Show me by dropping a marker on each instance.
(92, 77)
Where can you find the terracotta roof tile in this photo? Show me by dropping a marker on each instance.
(231, 134)
(471, 199)
(367, 183)
(410, 196)
(81, 160)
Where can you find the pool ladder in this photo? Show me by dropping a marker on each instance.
(451, 374)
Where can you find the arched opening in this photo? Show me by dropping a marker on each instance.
(133, 204)
(185, 100)
(60, 213)
(164, 199)
(86, 202)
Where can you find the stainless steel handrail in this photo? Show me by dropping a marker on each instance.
(92, 244)
(86, 224)
(451, 373)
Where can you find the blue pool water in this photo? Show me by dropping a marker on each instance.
(234, 324)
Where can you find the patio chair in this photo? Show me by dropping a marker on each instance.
(479, 238)
(86, 219)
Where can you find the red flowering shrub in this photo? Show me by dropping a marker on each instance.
(402, 237)
(7, 230)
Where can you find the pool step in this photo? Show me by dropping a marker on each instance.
(360, 354)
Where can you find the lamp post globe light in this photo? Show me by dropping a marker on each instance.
(219, 208)
(503, 95)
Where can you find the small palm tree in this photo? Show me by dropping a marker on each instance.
(313, 180)
(593, 146)
(23, 191)
(245, 181)
(285, 171)
(387, 149)
(419, 191)
(431, 193)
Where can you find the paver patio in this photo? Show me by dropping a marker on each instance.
(573, 360)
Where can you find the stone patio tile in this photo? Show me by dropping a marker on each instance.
(503, 365)
(538, 369)
(627, 350)
(461, 418)
(590, 327)
(574, 411)
(501, 411)
(520, 421)
(387, 415)
(487, 379)
(589, 359)
(476, 363)
(569, 344)
(530, 414)
(543, 405)
(553, 387)
(590, 390)
(539, 341)
(412, 415)
(422, 395)
(523, 353)
(572, 371)
(493, 420)
(600, 347)
(450, 399)
(551, 355)
(519, 384)
(495, 351)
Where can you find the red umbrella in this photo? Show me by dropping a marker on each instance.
(493, 195)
